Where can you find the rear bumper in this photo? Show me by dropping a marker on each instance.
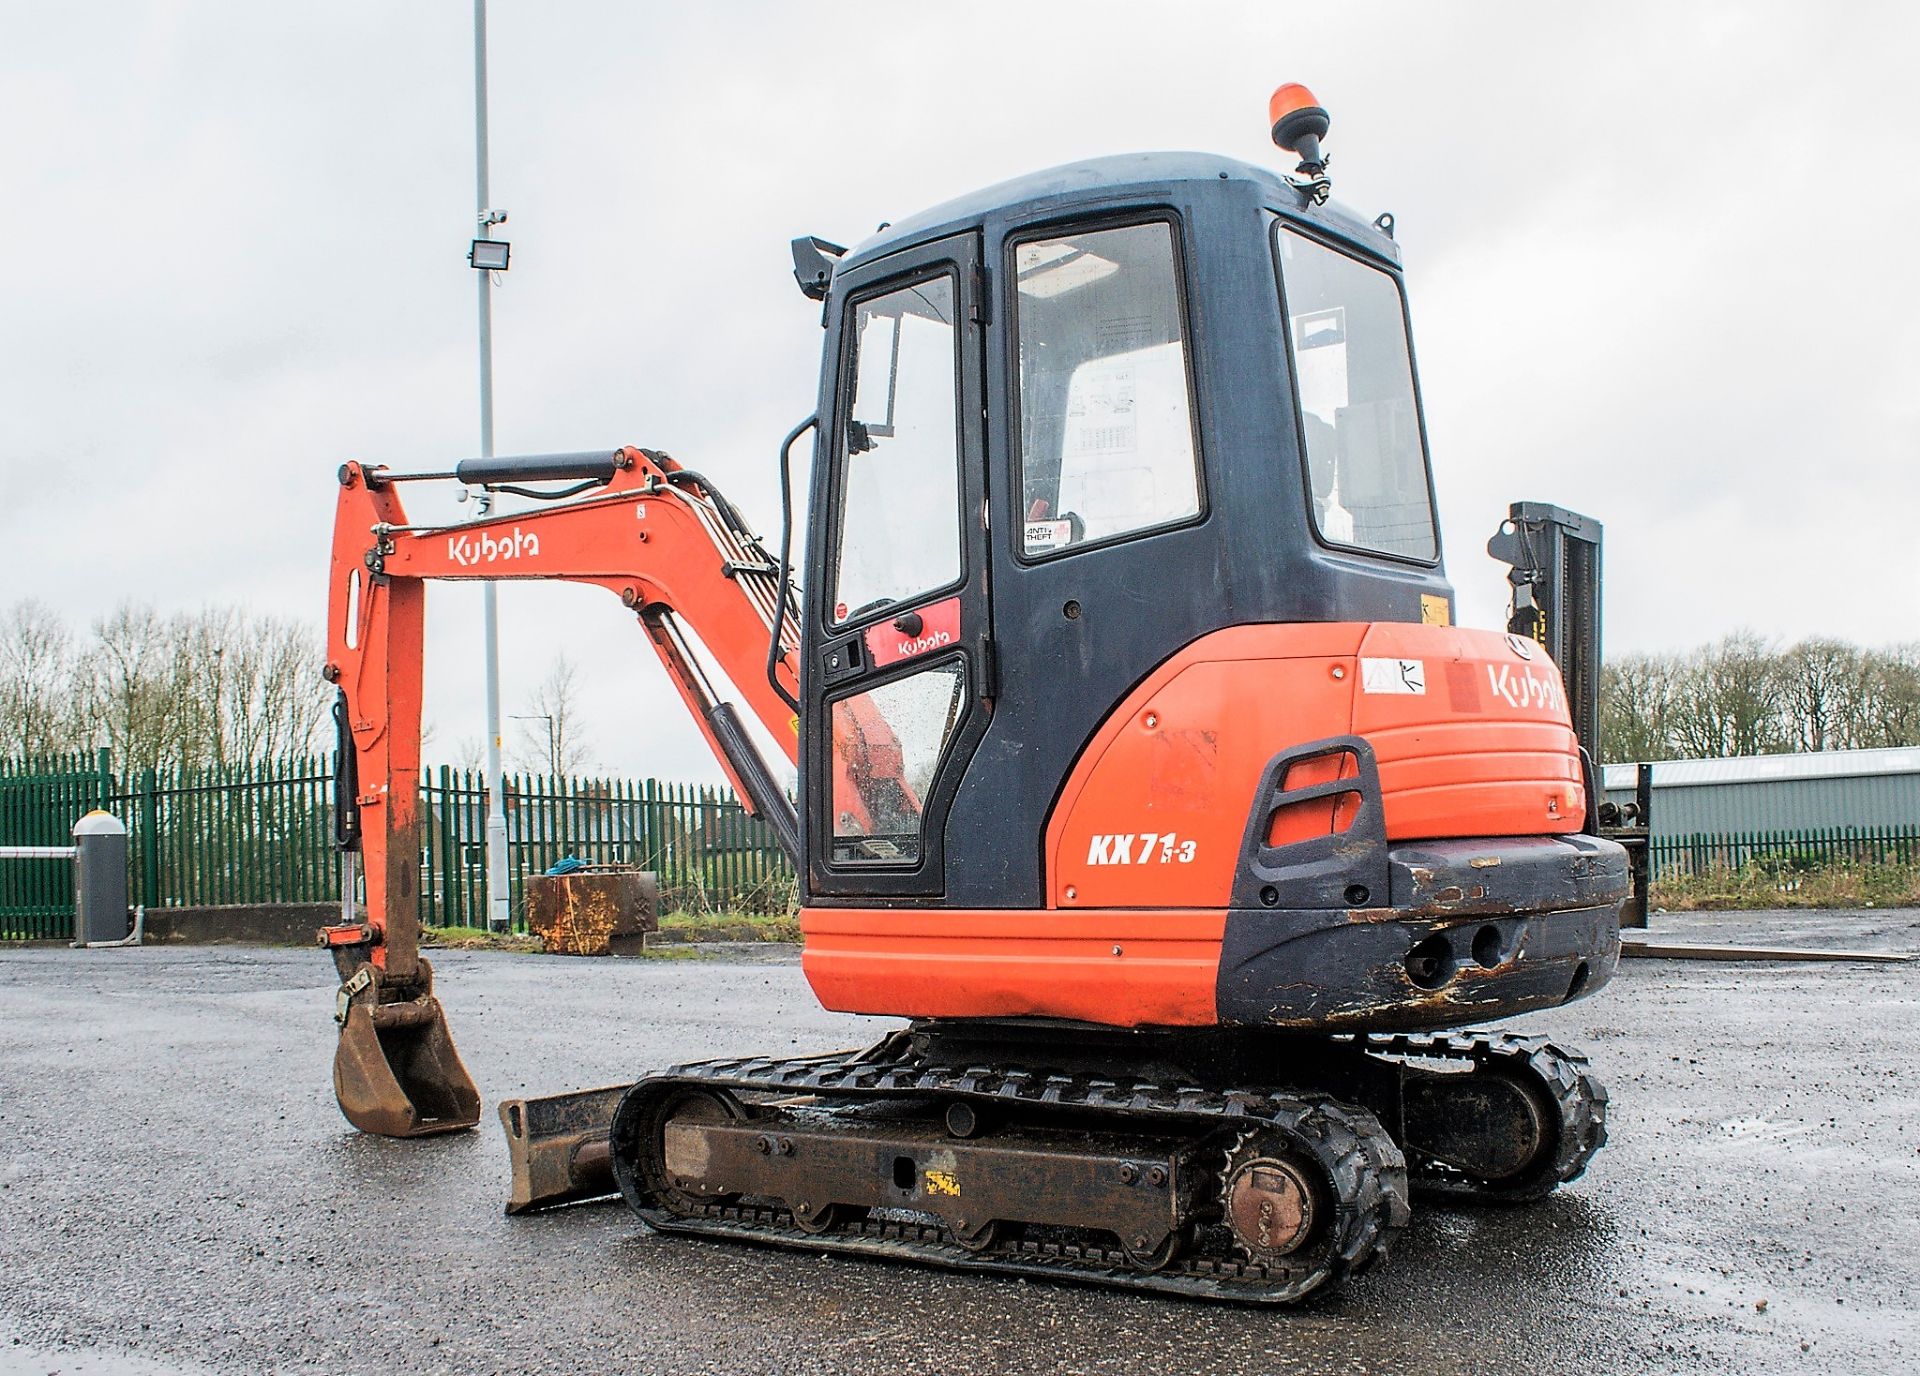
(1526, 923)
(1472, 930)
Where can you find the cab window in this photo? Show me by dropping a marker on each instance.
(1353, 375)
(899, 451)
(1106, 410)
(887, 744)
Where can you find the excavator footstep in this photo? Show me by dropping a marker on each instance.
(396, 1072)
(559, 1147)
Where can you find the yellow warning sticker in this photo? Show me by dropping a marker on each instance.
(1434, 610)
(943, 1182)
(794, 722)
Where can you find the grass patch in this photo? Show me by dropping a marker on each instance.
(671, 951)
(1760, 885)
(479, 939)
(688, 926)
(678, 931)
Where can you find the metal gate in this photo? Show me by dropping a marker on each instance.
(39, 802)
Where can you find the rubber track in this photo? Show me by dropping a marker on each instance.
(1351, 1146)
(1578, 1099)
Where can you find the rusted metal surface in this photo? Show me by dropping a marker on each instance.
(1390, 970)
(395, 1069)
(827, 1167)
(1642, 949)
(1269, 1203)
(1470, 931)
(1090, 1176)
(558, 1147)
(597, 911)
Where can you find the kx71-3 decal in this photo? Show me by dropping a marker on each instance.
(1141, 848)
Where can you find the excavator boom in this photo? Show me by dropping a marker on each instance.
(659, 537)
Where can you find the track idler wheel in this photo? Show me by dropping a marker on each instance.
(395, 1070)
(678, 1174)
(1146, 1255)
(1489, 1125)
(1272, 1201)
(982, 1237)
(1517, 1118)
(824, 1218)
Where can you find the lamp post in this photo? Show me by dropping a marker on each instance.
(488, 255)
(553, 738)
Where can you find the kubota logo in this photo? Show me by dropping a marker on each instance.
(1526, 688)
(466, 551)
(932, 640)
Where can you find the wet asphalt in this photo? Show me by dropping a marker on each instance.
(178, 1193)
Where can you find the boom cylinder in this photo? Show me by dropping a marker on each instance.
(592, 465)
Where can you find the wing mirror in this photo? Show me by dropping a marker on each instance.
(813, 265)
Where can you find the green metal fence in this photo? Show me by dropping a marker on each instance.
(1787, 851)
(264, 834)
(248, 834)
(40, 800)
(710, 855)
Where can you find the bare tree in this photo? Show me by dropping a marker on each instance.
(40, 712)
(1636, 707)
(469, 753)
(134, 688)
(1889, 698)
(253, 681)
(1727, 699)
(552, 738)
(1740, 697)
(1819, 683)
(218, 687)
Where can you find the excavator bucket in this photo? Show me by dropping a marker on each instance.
(396, 1072)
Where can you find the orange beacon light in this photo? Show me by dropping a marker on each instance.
(1299, 123)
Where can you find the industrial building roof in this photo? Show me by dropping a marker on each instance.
(1760, 769)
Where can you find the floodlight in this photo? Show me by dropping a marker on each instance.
(489, 255)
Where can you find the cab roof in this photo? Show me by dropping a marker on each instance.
(1117, 180)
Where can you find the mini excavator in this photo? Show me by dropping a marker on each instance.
(1142, 768)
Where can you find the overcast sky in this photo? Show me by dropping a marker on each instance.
(1659, 258)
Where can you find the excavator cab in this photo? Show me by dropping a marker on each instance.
(1141, 766)
(1095, 414)
(1125, 611)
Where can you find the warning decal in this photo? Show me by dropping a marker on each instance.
(1393, 676)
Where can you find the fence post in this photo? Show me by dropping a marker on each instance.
(649, 827)
(149, 839)
(440, 828)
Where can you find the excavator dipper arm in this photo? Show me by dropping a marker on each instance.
(654, 534)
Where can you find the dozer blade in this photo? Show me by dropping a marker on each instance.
(396, 1072)
(559, 1147)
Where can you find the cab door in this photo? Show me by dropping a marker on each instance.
(900, 681)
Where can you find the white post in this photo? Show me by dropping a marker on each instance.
(499, 913)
